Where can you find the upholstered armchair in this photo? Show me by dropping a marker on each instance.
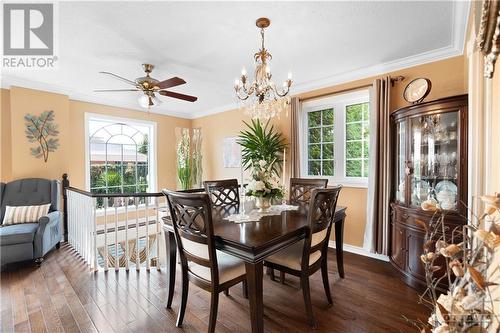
(31, 240)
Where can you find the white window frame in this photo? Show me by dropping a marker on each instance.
(338, 102)
(152, 160)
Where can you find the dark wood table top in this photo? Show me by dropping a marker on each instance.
(253, 241)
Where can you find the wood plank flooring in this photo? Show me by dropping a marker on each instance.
(63, 296)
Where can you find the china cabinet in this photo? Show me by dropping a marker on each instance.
(429, 150)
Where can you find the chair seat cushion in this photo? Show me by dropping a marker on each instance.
(18, 233)
(230, 268)
(291, 256)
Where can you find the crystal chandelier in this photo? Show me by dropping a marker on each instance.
(261, 99)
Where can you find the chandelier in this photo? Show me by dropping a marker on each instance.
(261, 98)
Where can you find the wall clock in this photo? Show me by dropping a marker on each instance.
(417, 90)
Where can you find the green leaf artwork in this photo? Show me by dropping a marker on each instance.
(44, 131)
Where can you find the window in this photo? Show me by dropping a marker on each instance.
(120, 155)
(336, 138)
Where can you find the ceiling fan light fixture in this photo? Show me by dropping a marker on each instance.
(150, 86)
(144, 101)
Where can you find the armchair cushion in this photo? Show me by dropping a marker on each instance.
(230, 268)
(18, 233)
(291, 257)
(28, 192)
(24, 214)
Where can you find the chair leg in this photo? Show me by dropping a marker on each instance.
(39, 261)
(226, 292)
(185, 289)
(214, 304)
(282, 277)
(245, 289)
(326, 284)
(304, 284)
(58, 245)
(271, 273)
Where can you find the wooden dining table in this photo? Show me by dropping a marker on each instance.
(253, 242)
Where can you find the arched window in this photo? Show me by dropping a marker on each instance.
(120, 156)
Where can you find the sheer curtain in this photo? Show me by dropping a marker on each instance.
(376, 238)
(295, 137)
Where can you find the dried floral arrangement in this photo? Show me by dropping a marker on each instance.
(43, 130)
(464, 262)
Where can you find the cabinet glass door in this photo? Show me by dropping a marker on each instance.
(434, 159)
(400, 161)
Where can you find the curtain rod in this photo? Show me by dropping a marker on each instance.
(393, 80)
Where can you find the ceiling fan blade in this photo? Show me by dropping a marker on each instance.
(119, 78)
(178, 96)
(172, 82)
(111, 90)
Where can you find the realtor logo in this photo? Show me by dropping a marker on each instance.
(28, 35)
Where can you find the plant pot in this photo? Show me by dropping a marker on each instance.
(263, 204)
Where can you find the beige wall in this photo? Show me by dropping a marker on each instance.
(5, 139)
(447, 76)
(70, 156)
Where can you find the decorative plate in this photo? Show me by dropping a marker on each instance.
(417, 90)
(446, 194)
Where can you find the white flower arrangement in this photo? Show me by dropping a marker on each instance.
(265, 183)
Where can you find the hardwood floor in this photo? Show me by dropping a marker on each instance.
(63, 295)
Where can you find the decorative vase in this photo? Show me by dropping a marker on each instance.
(263, 204)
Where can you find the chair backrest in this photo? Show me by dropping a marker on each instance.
(321, 213)
(191, 215)
(224, 195)
(300, 189)
(28, 192)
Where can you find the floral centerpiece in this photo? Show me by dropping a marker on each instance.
(262, 153)
(469, 262)
(265, 185)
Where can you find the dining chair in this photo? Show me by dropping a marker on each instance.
(304, 258)
(300, 189)
(201, 263)
(224, 195)
(300, 195)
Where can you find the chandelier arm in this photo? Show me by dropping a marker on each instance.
(243, 98)
(283, 93)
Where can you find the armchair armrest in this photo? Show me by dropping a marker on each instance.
(48, 233)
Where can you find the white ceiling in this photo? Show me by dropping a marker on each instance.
(207, 43)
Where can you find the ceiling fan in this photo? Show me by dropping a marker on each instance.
(150, 87)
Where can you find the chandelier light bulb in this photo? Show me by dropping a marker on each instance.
(236, 83)
(244, 71)
(289, 75)
(268, 69)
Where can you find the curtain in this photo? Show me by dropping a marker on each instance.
(294, 138)
(376, 238)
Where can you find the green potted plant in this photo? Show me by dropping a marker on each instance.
(262, 149)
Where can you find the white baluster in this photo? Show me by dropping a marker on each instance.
(94, 229)
(137, 260)
(127, 259)
(116, 237)
(158, 232)
(148, 264)
(105, 233)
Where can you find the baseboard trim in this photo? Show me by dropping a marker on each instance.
(360, 251)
